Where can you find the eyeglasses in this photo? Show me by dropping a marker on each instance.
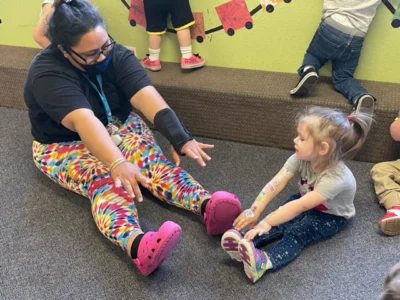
(92, 58)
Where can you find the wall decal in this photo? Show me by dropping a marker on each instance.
(136, 13)
(233, 15)
(269, 5)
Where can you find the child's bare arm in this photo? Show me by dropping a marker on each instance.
(269, 192)
(292, 209)
(41, 28)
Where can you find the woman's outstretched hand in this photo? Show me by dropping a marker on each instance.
(129, 175)
(246, 219)
(194, 150)
(261, 228)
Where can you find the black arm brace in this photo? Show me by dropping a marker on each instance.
(168, 123)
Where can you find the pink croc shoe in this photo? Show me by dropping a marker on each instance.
(155, 246)
(221, 210)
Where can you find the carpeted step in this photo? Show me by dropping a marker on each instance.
(255, 106)
(239, 105)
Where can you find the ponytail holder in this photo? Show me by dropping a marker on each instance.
(349, 117)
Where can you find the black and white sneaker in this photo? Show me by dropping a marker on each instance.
(365, 104)
(307, 80)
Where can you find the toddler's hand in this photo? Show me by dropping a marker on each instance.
(246, 219)
(261, 228)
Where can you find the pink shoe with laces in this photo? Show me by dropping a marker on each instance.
(195, 61)
(155, 246)
(152, 65)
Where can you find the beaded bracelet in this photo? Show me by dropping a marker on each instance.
(116, 163)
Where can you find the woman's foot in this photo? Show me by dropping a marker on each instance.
(155, 246)
(230, 243)
(220, 212)
(255, 261)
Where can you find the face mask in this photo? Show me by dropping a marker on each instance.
(98, 68)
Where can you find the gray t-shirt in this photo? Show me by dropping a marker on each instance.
(351, 13)
(337, 184)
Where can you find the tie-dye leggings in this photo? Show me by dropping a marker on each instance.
(71, 165)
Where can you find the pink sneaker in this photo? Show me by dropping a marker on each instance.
(390, 223)
(195, 61)
(155, 246)
(255, 261)
(221, 210)
(152, 65)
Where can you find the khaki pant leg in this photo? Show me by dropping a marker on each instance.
(386, 177)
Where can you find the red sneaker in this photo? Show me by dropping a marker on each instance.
(390, 223)
(152, 65)
(195, 61)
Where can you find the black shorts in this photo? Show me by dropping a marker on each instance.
(157, 11)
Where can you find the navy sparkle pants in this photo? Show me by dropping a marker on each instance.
(309, 227)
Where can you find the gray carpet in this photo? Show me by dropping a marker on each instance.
(51, 249)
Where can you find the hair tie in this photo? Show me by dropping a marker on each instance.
(349, 117)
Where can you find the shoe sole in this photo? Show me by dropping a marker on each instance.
(366, 106)
(247, 255)
(230, 243)
(222, 209)
(154, 69)
(193, 66)
(304, 87)
(390, 227)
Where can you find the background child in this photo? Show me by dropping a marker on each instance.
(326, 192)
(392, 284)
(339, 38)
(156, 12)
(386, 177)
(41, 28)
(40, 31)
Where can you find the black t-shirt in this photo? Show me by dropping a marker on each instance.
(54, 88)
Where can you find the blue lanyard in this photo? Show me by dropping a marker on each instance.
(102, 96)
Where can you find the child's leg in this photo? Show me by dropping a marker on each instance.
(172, 184)
(320, 49)
(156, 19)
(182, 19)
(314, 226)
(344, 66)
(154, 46)
(73, 167)
(317, 54)
(386, 177)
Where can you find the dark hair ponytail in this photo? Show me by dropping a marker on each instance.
(361, 124)
(70, 20)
